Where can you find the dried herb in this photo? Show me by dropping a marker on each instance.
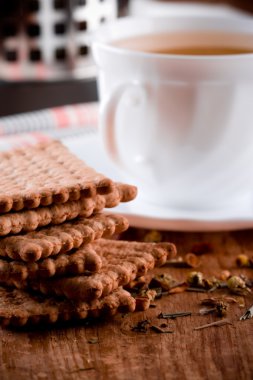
(211, 301)
(216, 324)
(145, 325)
(143, 298)
(248, 314)
(142, 303)
(248, 282)
(164, 281)
(174, 315)
(244, 261)
(237, 285)
(141, 326)
(195, 280)
(224, 275)
(217, 306)
(192, 260)
(160, 330)
(240, 300)
(216, 284)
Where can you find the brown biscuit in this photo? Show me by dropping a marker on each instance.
(45, 174)
(19, 308)
(86, 288)
(161, 252)
(14, 223)
(51, 241)
(88, 257)
(121, 265)
(82, 260)
(127, 192)
(30, 220)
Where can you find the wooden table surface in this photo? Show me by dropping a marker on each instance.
(111, 350)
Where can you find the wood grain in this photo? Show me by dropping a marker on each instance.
(72, 352)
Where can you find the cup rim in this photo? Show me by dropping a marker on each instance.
(230, 24)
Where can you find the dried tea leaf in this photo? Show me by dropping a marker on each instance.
(153, 236)
(237, 285)
(165, 281)
(192, 260)
(141, 326)
(243, 261)
(174, 315)
(160, 330)
(216, 324)
(195, 279)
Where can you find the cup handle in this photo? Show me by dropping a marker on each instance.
(108, 111)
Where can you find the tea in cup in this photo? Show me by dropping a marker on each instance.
(176, 107)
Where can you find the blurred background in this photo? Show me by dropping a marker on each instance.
(45, 58)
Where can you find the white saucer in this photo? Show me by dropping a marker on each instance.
(159, 8)
(141, 214)
(145, 215)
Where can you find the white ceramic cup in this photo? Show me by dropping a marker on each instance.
(178, 126)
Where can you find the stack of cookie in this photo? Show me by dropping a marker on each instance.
(57, 261)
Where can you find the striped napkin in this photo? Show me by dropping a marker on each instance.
(60, 122)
